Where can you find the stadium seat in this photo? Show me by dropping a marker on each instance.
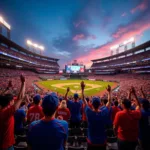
(21, 146)
(71, 140)
(75, 132)
(76, 148)
(111, 139)
(85, 131)
(21, 138)
(82, 140)
(110, 132)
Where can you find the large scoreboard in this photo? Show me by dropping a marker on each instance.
(75, 68)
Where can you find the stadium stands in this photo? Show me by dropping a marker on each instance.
(133, 89)
(12, 55)
(135, 60)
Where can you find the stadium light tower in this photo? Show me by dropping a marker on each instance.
(36, 46)
(125, 43)
(115, 47)
(131, 40)
(6, 25)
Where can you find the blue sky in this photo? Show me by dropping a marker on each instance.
(77, 29)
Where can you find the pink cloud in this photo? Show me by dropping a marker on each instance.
(142, 6)
(124, 14)
(78, 37)
(135, 28)
(121, 35)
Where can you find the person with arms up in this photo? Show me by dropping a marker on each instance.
(126, 124)
(97, 121)
(48, 133)
(75, 107)
(7, 112)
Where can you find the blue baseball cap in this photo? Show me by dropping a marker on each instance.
(36, 98)
(96, 102)
(76, 95)
(60, 99)
(50, 101)
(144, 101)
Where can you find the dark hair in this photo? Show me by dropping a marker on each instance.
(116, 103)
(104, 101)
(146, 105)
(49, 112)
(127, 103)
(36, 101)
(22, 104)
(5, 100)
(96, 106)
(87, 99)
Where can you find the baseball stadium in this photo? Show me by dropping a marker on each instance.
(75, 75)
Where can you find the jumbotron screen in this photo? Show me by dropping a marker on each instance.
(75, 69)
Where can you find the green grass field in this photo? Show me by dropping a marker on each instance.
(92, 87)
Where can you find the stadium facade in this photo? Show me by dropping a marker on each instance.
(135, 60)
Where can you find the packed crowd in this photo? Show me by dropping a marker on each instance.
(125, 81)
(34, 59)
(133, 58)
(51, 121)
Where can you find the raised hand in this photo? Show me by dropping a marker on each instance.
(141, 88)
(22, 78)
(68, 89)
(82, 85)
(9, 84)
(132, 90)
(108, 88)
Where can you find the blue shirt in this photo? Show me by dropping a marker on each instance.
(109, 120)
(96, 126)
(46, 135)
(75, 108)
(19, 116)
(145, 125)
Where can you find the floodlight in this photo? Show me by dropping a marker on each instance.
(4, 23)
(114, 47)
(29, 42)
(41, 47)
(125, 42)
(132, 39)
(35, 45)
(1, 19)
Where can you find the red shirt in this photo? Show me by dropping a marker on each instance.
(115, 109)
(126, 122)
(7, 127)
(64, 112)
(35, 113)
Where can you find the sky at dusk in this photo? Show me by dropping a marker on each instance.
(77, 29)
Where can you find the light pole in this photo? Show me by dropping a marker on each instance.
(35, 46)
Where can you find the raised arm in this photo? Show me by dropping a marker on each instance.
(21, 92)
(109, 96)
(136, 98)
(82, 92)
(143, 94)
(68, 89)
(129, 94)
